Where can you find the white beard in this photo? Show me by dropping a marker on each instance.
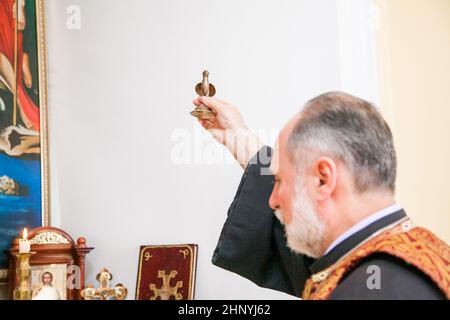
(305, 233)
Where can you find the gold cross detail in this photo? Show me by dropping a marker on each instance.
(166, 291)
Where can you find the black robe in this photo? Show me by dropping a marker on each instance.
(253, 244)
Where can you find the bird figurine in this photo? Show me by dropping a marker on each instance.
(204, 89)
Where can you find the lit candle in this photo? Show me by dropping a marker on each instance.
(24, 243)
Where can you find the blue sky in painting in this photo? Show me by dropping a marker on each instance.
(17, 212)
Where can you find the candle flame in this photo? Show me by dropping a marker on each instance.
(25, 234)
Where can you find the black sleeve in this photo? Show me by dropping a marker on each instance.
(252, 242)
(397, 281)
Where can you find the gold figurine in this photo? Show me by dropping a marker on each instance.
(204, 89)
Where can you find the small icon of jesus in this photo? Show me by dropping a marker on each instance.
(47, 291)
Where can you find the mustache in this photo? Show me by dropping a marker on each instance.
(279, 214)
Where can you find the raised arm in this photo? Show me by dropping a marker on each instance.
(252, 242)
(229, 129)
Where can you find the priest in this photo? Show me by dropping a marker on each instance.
(317, 217)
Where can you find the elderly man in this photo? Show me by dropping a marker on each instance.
(325, 224)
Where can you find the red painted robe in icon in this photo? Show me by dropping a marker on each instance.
(7, 24)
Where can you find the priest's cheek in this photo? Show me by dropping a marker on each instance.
(287, 215)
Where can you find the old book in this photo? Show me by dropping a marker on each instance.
(166, 272)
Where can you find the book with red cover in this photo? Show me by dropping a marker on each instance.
(166, 272)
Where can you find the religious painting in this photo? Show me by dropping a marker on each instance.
(23, 127)
(48, 282)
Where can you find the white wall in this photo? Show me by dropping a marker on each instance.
(122, 85)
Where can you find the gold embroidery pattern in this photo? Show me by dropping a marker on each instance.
(418, 246)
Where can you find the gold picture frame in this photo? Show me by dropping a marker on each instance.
(42, 57)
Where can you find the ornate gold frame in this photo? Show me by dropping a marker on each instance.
(45, 183)
(42, 58)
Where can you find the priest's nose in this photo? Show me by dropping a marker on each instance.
(273, 201)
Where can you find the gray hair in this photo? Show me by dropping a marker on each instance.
(350, 129)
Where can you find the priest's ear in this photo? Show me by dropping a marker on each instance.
(324, 171)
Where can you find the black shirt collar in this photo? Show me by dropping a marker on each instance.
(351, 242)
